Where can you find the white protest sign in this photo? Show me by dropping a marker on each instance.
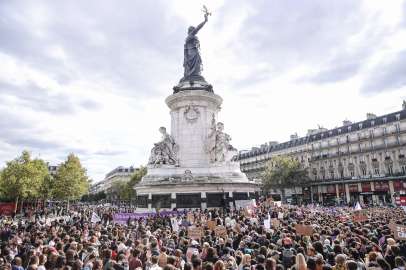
(280, 215)
(277, 204)
(95, 218)
(267, 224)
(244, 203)
(175, 225)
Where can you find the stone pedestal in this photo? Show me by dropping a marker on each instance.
(195, 181)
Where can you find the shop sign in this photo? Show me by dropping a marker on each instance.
(368, 176)
(370, 193)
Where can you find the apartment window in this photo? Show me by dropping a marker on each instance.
(384, 131)
(360, 147)
(340, 162)
(371, 133)
(348, 138)
(302, 148)
(349, 129)
(330, 133)
(361, 158)
(390, 171)
(328, 142)
(403, 169)
(364, 171)
(350, 160)
(339, 131)
(352, 173)
(339, 151)
(342, 174)
(321, 154)
(399, 139)
(372, 123)
(314, 137)
(373, 145)
(384, 120)
(338, 141)
(302, 158)
(359, 135)
(385, 142)
(315, 178)
(324, 176)
(332, 175)
(387, 154)
(297, 150)
(374, 155)
(320, 145)
(376, 170)
(353, 188)
(312, 146)
(330, 163)
(321, 136)
(397, 127)
(401, 152)
(292, 151)
(360, 126)
(329, 153)
(397, 117)
(349, 149)
(322, 165)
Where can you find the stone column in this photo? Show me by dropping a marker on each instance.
(373, 196)
(347, 193)
(361, 197)
(191, 118)
(391, 191)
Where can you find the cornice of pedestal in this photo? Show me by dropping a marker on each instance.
(194, 97)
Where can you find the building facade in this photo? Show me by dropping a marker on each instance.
(361, 161)
(119, 173)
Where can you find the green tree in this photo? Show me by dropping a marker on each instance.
(283, 173)
(23, 177)
(116, 188)
(46, 187)
(129, 191)
(72, 180)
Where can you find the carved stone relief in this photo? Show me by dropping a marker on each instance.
(191, 114)
(165, 151)
(187, 176)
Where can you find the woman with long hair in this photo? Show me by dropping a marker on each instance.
(77, 265)
(382, 264)
(300, 262)
(70, 257)
(42, 261)
(399, 263)
(98, 265)
(30, 254)
(59, 263)
(219, 265)
(246, 259)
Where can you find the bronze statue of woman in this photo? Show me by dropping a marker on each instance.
(192, 61)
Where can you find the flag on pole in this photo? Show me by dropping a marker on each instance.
(95, 218)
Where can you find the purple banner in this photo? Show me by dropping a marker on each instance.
(121, 218)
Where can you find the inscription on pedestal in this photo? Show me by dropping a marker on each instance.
(165, 200)
(142, 201)
(214, 199)
(188, 200)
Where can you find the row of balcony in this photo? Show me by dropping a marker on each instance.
(350, 178)
(357, 151)
(362, 138)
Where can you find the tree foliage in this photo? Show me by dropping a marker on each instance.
(129, 191)
(282, 168)
(116, 188)
(23, 177)
(94, 197)
(72, 181)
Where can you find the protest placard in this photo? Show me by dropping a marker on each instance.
(194, 233)
(175, 226)
(267, 224)
(185, 223)
(246, 214)
(244, 203)
(190, 217)
(304, 230)
(158, 206)
(360, 215)
(392, 225)
(211, 224)
(277, 204)
(400, 232)
(203, 219)
(275, 222)
(280, 215)
(220, 231)
(266, 203)
(237, 228)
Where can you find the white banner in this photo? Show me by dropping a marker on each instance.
(95, 218)
(175, 225)
(243, 203)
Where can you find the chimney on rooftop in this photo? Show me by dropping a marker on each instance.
(371, 116)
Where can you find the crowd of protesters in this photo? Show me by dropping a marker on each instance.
(68, 240)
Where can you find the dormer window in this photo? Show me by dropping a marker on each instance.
(330, 134)
(360, 126)
(349, 129)
(397, 117)
(372, 123)
(384, 120)
(339, 131)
